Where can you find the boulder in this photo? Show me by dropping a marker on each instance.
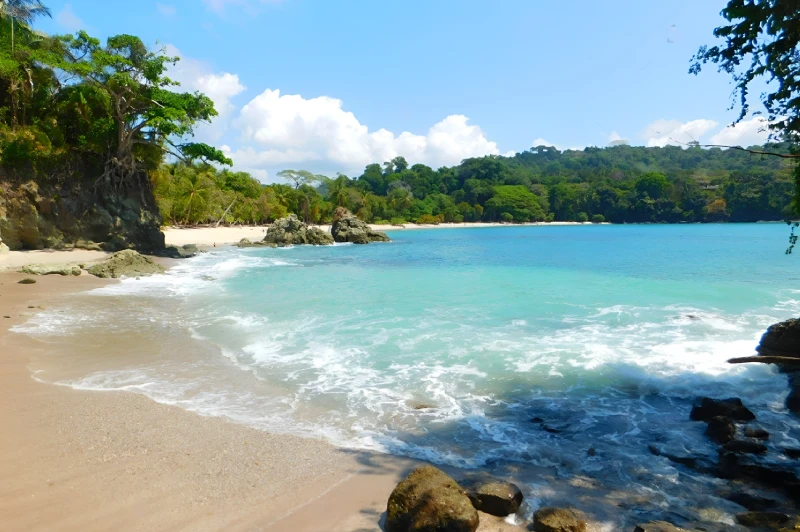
(493, 496)
(731, 408)
(721, 429)
(745, 447)
(658, 526)
(550, 519)
(428, 500)
(347, 228)
(752, 502)
(757, 433)
(27, 280)
(126, 263)
(781, 339)
(51, 269)
(293, 231)
(762, 519)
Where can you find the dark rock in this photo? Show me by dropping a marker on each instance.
(27, 280)
(730, 408)
(752, 502)
(591, 451)
(792, 452)
(293, 231)
(793, 399)
(762, 519)
(781, 339)
(537, 419)
(493, 496)
(720, 429)
(126, 263)
(175, 252)
(428, 500)
(658, 526)
(746, 447)
(679, 456)
(347, 228)
(551, 519)
(756, 433)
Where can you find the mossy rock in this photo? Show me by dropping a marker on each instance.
(27, 280)
(51, 269)
(428, 500)
(550, 519)
(127, 263)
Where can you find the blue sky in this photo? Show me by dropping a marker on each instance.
(333, 85)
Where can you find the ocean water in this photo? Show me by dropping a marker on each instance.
(514, 349)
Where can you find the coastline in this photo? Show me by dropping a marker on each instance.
(86, 460)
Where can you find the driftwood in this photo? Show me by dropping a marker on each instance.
(766, 360)
(224, 214)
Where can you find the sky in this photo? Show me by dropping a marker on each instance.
(331, 86)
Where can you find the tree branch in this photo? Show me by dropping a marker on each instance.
(755, 152)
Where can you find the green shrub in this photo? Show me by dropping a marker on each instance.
(398, 221)
(598, 219)
(507, 217)
(582, 217)
(382, 222)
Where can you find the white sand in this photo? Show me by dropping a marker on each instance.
(17, 259)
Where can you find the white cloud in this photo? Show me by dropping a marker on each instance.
(67, 19)
(166, 10)
(289, 129)
(746, 133)
(221, 87)
(218, 6)
(673, 132)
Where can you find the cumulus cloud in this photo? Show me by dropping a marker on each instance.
(746, 133)
(673, 132)
(614, 139)
(290, 129)
(221, 87)
(67, 19)
(166, 10)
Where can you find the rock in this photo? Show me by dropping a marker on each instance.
(781, 339)
(27, 281)
(292, 231)
(245, 243)
(175, 252)
(493, 496)
(126, 263)
(680, 456)
(752, 502)
(550, 519)
(720, 429)
(428, 500)
(746, 447)
(658, 526)
(756, 433)
(792, 452)
(52, 269)
(731, 408)
(762, 519)
(347, 228)
(117, 243)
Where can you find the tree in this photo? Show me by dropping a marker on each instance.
(22, 12)
(194, 190)
(147, 114)
(300, 177)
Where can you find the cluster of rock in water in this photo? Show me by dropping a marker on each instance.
(291, 231)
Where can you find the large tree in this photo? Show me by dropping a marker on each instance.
(22, 12)
(150, 116)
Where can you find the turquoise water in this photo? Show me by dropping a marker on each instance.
(468, 347)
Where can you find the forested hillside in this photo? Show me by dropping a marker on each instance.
(621, 184)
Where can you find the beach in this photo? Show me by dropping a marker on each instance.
(83, 460)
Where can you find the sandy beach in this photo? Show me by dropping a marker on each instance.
(82, 460)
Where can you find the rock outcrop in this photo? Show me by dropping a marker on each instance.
(493, 496)
(781, 339)
(347, 228)
(126, 263)
(51, 269)
(550, 519)
(732, 409)
(428, 500)
(721, 429)
(291, 231)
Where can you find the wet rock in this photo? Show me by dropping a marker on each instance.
(762, 519)
(658, 526)
(781, 339)
(126, 263)
(680, 456)
(792, 452)
(246, 243)
(731, 408)
(752, 502)
(720, 429)
(27, 281)
(756, 433)
(347, 228)
(550, 519)
(745, 447)
(428, 500)
(51, 269)
(493, 496)
(175, 252)
(291, 231)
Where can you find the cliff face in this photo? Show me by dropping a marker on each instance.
(47, 213)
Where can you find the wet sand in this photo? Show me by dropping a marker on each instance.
(81, 460)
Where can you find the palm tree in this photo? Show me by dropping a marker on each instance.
(23, 12)
(194, 189)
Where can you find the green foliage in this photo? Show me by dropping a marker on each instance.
(598, 219)
(517, 201)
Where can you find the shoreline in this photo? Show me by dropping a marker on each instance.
(89, 460)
